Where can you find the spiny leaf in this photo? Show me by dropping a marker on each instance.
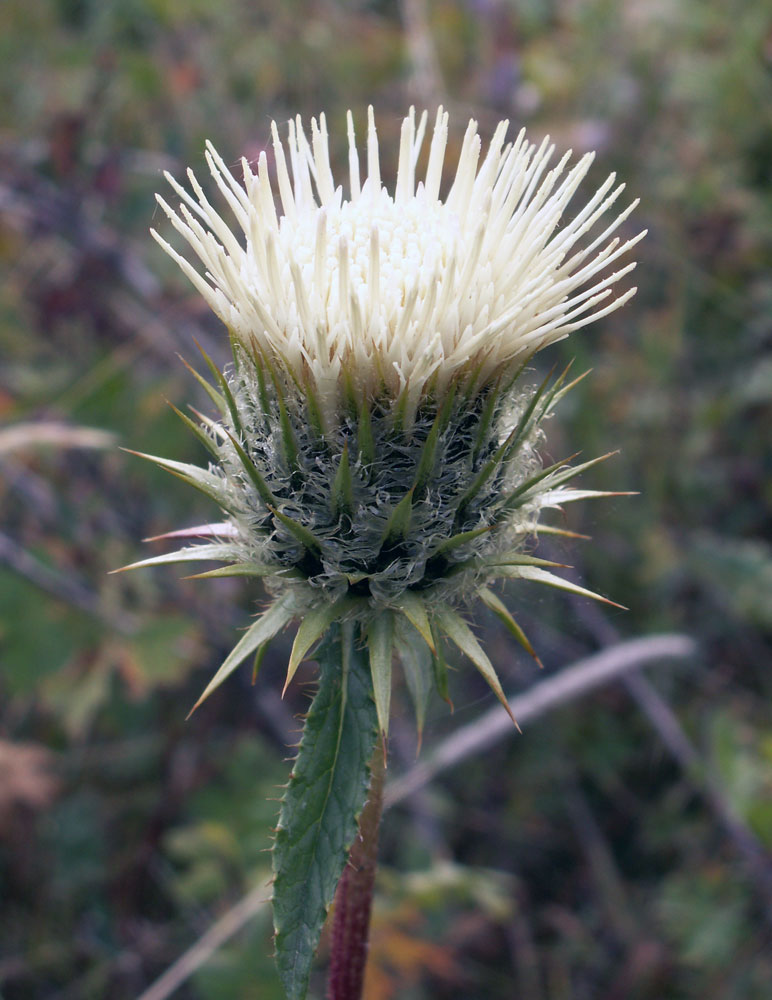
(459, 632)
(313, 626)
(263, 630)
(223, 529)
(196, 553)
(199, 432)
(550, 529)
(416, 659)
(555, 473)
(537, 575)
(217, 398)
(398, 524)
(399, 411)
(503, 614)
(414, 609)
(429, 450)
(326, 793)
(486, 418)
(254, 474)
(303, 535)
(380, 640)
(440, 668)
(342, 486)
(289, 443)
(559, 390)
(562, 495)
(523, 425)
(222, 382)
(248, 569)
(205, 482)
(365, 440)
(521, 559)
(456, 541)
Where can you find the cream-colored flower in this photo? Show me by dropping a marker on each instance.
(409, 290)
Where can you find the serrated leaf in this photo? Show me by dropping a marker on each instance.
(416, 659)
(459, 632)
(326, 793)
(315, 623)
(504, 615)
(263, 630)
(380, 641)
(537, 575)
(195, 553)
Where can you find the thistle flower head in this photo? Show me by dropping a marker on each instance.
(376, 448)
(404, 292)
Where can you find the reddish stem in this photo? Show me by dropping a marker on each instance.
(354, 897)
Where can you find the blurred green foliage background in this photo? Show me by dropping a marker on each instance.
(609, 852)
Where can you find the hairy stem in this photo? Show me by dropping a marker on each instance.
(354, 896)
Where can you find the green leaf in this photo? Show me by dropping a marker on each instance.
(315, 623)
(342, 486)
(202, 480)
(303, 535)
(326, 793)
(416, 659)
(486, 418)
(380, 640)
(195, 553)
(365, 440)
(398, 525)
(264, 629)
(440, 668)
(502, 612)
(429, 450)
(248, 569)
(557, 474)
(199, 432)
(537, 575)
(459, 632)
(414, 609)
(221, 380)
(456, 541)
(217, 398)
(252, 471)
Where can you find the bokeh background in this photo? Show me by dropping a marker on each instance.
(621, 847)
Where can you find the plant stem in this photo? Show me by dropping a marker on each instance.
(354, 895)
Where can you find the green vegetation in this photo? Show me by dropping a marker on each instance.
(596, 856)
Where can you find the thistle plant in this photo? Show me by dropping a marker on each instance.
(374, 447)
